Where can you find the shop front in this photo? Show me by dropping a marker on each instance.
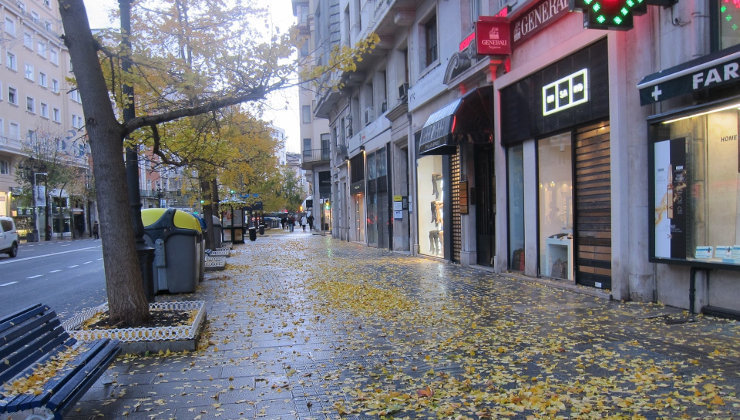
(463, 127)
(357, 192)
(556, 136)
(694, 169)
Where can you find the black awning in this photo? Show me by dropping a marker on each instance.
(712, 70)
(469, 116)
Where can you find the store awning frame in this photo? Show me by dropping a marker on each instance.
(441, 132)
(713, 70)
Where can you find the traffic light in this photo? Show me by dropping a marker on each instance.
(327, 205)
(609, 14)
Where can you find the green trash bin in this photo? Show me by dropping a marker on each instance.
(178, 245)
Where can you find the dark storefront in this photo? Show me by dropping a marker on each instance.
(442, 186)
(564, 109)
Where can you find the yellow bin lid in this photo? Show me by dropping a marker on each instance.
(186, 221)
(180, 220)
(150, 216)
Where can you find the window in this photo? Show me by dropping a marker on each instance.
(694, 199)
(75, 96)
(30, 104)
(12, 95)
(55, 85)
(14, 131)
(47, 3)
(47, 25)
(54, 55)
(28, 40)
(44, 110)
(555, 173)
(307, 148)
(306, 114)
(31, 135)
(11, 61)
(35, 17)
(76, 121)
(42, 79)
(10, 25)
(2, 128)
(41, 48)
(29, 71)
(56, 115)
(4, 170)
(430, 41)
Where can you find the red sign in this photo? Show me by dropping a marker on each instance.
(492, 36)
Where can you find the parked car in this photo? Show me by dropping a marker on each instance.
(8, 236)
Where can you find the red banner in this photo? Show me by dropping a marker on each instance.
(492, 36)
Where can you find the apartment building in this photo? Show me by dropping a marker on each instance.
(599, 150)
(37, 102)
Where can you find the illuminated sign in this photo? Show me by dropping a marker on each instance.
(610, 14)
(565, 93)
(537, 18)
(492, 36)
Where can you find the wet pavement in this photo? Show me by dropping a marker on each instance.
(304, 326)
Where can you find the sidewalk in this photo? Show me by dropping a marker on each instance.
(304, 326)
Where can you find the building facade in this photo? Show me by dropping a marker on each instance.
(38, 105)
(598, 157)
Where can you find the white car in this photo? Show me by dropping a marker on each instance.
(8, 236)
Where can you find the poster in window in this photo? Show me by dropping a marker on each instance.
(670, 198)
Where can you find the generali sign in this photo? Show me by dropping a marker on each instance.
(536, 18)
(492, 36)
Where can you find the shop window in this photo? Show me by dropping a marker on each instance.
(431, 205)
(555, 172)
(515, 172)
(694, 195)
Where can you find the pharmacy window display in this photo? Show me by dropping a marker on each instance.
(555, 171)
(431, 205)
(694, 192)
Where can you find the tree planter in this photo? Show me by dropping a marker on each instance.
(144, 339)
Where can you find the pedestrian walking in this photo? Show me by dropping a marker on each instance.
(283, 221)
(291, 222)
(309, 219)
(96, 230)
(304, 222)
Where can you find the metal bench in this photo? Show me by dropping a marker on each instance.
(33, 340)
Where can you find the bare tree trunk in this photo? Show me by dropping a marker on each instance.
(126, 299)
(205, 187)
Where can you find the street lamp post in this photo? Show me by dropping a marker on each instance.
(35, 232)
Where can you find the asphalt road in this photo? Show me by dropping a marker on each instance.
(66, 275)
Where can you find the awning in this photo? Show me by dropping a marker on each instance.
(470, 116)
(713, 70)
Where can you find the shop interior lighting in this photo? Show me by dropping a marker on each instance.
(711, 111)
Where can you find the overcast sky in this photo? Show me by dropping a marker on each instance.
(282, 16)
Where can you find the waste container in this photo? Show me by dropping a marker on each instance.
(262, 229)
(252, 233)
(217, 229)
(178, 245)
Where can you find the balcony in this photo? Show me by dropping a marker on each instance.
(313, 157)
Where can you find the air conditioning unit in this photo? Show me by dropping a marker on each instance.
(368, 115)
(403, 91)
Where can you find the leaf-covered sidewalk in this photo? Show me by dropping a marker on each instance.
(305, 326)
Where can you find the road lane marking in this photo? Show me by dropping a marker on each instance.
(54, 271)
(8, 284)
(34, 277)
(74, 266)
(87, 262)
(16, 260)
